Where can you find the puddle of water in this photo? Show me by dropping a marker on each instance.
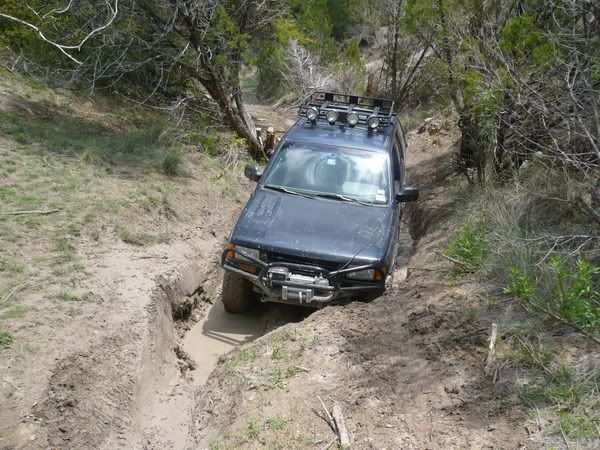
(218, 333)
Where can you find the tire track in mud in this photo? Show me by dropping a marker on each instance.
(206, 333)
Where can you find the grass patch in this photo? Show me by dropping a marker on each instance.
(173, 162)
(10, 266)
(64, 296)
(276, 423)
(242, 357)
(572, 398)
(140, 237)
(274, 378)
(15, 311)
(253, 430)
(218, 443)
(6, 338)
(310, 342)
(94, 142)
(279, 352)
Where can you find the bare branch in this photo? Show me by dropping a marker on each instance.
(64, 49)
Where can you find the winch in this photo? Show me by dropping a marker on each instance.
(281, 275)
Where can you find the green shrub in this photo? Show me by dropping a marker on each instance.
(209, 144)
(576, 295)
(470, 247)
(570, 293)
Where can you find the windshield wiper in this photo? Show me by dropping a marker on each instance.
(343, 198)
(286, 190)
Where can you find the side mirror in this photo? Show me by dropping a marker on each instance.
(252, 172)
(407, 194)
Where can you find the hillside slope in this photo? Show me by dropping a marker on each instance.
(137, 212)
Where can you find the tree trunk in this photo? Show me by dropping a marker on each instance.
(394, 60)
(237, 118)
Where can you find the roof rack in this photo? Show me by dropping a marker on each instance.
(344, 104)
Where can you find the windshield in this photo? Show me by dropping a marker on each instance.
(345, 173)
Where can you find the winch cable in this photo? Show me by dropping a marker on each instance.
(364, 246)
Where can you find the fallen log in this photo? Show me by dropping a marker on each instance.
(22, 213)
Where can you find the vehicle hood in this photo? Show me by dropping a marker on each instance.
(315, 228)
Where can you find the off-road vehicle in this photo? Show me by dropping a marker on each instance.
(322, 224)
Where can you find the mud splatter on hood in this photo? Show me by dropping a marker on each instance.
(316, 228)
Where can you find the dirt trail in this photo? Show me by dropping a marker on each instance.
(407, 369)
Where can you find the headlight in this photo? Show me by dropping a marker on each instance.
(249, 251)
(368, 274)
(233, 251)
(373, 122)
(332, 117)
(312, 114)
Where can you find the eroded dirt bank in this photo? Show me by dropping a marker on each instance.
(101, 294)
(406, 369)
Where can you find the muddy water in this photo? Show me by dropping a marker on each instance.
(219, 332)
(216, 334)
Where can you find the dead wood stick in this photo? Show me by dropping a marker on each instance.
(449, 258)
(562, 432)
(20, 213)
(469, 334)
(340, 425)
(565, 321)
(328, 417)
(18, 288)
(491, 348)
(427, 269)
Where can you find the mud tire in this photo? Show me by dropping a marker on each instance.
(237, 296)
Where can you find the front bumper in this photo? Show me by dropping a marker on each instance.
(337, 288)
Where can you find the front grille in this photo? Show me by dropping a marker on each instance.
(273, 257)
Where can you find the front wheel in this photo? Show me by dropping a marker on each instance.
(237, 296)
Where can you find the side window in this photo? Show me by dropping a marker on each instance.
(401, 140)
(396, 158)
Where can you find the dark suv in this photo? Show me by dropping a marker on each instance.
(322, 224)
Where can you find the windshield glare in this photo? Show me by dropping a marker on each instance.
(315, 169)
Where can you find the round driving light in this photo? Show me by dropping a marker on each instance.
(352, 119)
(373, 122)
(332, 117)
(312, 114)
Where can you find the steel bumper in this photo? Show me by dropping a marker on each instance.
(273, 290)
